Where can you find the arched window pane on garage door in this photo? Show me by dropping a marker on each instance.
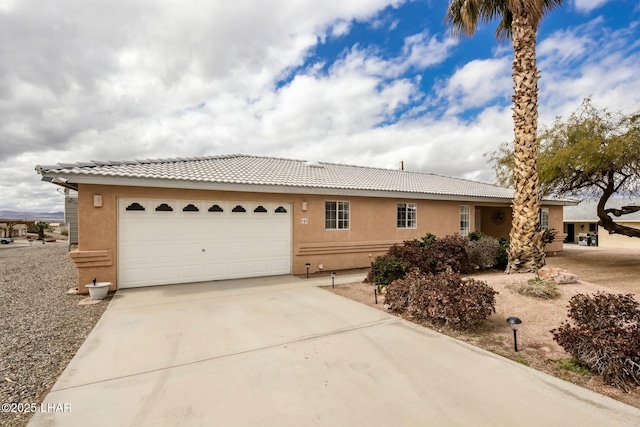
(164, 208)
(135, 206)
(190, 208)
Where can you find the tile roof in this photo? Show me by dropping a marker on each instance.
(270, 171)
(586, 211)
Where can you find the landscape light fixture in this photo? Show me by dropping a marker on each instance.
(333, 280)
(513, 321)
(375, 291)
(308, 265)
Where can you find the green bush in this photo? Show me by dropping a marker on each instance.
(427, 239)
(483, 252)
(606, 336)
(443, 298)
(386, 269)
(548, 236)
(475, 235)
(502, 259)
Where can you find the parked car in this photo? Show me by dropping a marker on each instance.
(6, 240)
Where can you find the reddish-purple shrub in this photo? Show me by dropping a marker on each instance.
(449, 252)
(428, 256)
(606, 336)
(444, 298)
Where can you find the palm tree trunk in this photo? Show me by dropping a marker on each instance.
(526, 251)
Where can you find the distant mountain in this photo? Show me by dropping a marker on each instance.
(31, 216)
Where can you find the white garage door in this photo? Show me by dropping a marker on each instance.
(179, 241)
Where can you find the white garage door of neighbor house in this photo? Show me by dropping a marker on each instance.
(164, 242)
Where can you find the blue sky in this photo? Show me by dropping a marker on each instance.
(365, 82)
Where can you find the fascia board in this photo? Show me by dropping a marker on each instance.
(260, 188)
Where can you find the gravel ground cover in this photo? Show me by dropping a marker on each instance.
(41, 326)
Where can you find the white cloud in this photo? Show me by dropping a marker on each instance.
(113, 80)
(476, 84)
(588, 5)
(606, 69)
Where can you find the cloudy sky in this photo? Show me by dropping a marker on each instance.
(365, 82)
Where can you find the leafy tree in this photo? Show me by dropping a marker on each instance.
(518, 20)
(39, 227)
(593, 154)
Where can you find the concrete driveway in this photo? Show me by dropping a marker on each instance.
(281, 352)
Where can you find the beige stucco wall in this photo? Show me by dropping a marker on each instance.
(372, 227)
(556, 223)
(607, 240)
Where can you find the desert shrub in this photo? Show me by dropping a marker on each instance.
(606, 336)
(428, 255)
(502, 259)
(536, 287)
(483, 252)
(443, 298)
(397, 292)
(449, 252)
(412, 255)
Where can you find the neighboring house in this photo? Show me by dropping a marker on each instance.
(71, 215)
(581, 224)
(167, 221)
(13, 230)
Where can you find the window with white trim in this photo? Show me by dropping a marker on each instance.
(544, 219)
(407, 214)
(336, 215)
(465, 220)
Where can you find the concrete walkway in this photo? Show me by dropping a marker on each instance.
(280, 352)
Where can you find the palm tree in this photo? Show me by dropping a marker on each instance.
(518, 21)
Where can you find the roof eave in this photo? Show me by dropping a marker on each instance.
(72, 180)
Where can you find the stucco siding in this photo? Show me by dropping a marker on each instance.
(372, 228)
(607, 240)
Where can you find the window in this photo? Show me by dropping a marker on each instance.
(135, 206)
(544, 219)
(336, 215)
(407, 215)
(190, 208)
(464, 220)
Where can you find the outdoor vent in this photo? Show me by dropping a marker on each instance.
(238, 208)
(164, 208)
(281, 210)
(216, 208)
(314, 164)
(260, 209)
(135, 206)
